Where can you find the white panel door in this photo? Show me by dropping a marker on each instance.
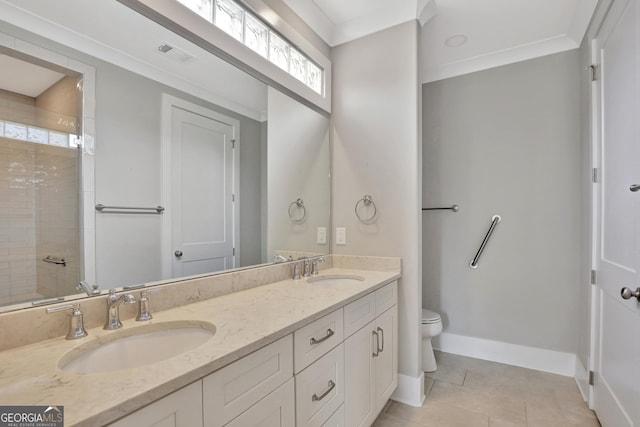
(617, 383)
(202, 193)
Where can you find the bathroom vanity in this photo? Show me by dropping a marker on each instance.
(288, 353)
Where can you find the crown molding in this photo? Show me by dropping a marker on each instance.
(495, 59)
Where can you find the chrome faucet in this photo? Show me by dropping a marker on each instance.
(279, 258)
(87, 288)
(314, 265)
(76, 324)
(113, 308)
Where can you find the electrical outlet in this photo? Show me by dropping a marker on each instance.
(322, 235)
(341, 236)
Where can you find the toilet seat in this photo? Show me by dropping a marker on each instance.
(429, 317)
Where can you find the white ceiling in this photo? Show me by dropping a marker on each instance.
(497, 32)
(25, 78)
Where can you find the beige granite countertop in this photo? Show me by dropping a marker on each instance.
(245, 321)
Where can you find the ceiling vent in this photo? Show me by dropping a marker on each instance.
(175, 53)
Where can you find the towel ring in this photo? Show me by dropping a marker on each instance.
(367, 200)
(299, 203)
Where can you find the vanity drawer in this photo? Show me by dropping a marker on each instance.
(386, 297)
(336, 420)
(231, 390)
(317, 338)
(320, 389)
(359, 313)
(275, 410)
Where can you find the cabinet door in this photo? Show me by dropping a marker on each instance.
(182, 408)
(358, 359)
(275, 410)
(386, 363)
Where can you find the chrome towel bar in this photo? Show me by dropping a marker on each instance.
(494, 221)
(54, 260)
(129, 209)
(454, 208)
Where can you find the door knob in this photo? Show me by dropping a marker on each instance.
(627, 293)
(178, 253)
(634, 187)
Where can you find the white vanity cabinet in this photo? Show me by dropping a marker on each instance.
(336, 371)
(371, 361)
(182, 408)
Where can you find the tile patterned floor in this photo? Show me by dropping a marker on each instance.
(467, 392)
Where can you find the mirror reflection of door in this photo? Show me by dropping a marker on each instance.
(40, 107)
(202, 191)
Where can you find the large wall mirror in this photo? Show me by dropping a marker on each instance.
(142, 158)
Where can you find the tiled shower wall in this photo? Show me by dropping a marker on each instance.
(57, 219)
(17, 220)
(38, 217)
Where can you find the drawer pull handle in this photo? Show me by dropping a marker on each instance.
(326, 337)
(316, 398)
(381, 349)
(377, 344)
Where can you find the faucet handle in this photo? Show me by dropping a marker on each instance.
(143, 308)
(307, 267)
(296, 271)
(314, 265)
(76, 323)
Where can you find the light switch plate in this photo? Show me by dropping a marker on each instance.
(322, 235)
(341, 236)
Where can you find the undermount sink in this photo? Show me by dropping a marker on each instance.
(335, 279)
(137, 346)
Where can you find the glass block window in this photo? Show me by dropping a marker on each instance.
(204, 8)
(298, 67)
(314, 77)
(235, 20)
(28, 133)
(256, 36)
(279, 51)
(229, 17)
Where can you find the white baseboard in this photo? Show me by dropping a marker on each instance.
(512, 354)
(410, 390)
(582, 379)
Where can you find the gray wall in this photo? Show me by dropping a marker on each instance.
(376, 151)
(298, 167)
(506, 141)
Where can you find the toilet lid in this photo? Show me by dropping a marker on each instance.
(429, 316)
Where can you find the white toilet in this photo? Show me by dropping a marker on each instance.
(431, 327)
